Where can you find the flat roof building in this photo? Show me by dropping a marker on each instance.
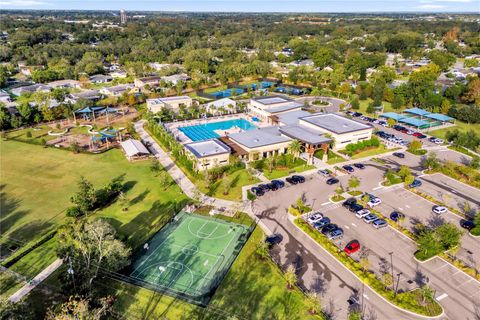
(208, 154)
(266, 108)
(174, 103)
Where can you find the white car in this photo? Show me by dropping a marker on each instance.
(374, 202)
(439, 209)
(362, 213)
(438, 141)
(314, 218)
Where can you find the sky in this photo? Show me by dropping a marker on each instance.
(252, 5)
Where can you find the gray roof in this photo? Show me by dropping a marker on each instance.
(335, 123)
(271, 99)
(89, 94)
(133, 147)
(100, 77)
(259, 137)
(119, 88)
(207, 148)
(305, 134)
(291, 118)
(285, 107)
(31, 88)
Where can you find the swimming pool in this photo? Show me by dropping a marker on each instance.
(206, 131)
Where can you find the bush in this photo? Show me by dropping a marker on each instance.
(354, 148)
(74, 212)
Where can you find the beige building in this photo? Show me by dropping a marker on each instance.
(208, 154)
(153, 81)
(269, 107)
(174, 103)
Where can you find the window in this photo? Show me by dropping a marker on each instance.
(346, 141)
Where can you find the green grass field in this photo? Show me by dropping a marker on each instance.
(462, 126)
(37, 184)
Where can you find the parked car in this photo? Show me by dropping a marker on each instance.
(272, 186)
(396, 216)
(419, 135)
(350, 201)
(295, 179)
(359, 165)
(379, 223)
(399, 155)
(398, 127)
(264, 187)
(432, 139)
(278, 183)
(467, 224)
(321, 223)
(439, 141)
(300, 179)
(374, 202)
(274, 239)
(257, 191)
(356, 114)
(332, 181)
(410, 132)
(369, 218)
(324, 172)
(348, 168)
(352, 247)
(314, 218)
(329, 228)
(335, 234)
(439, 209)
(362, 213)
(415, 184)
(355, 207)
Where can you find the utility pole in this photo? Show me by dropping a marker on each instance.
(398, 281)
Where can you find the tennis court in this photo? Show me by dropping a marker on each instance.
(190, 256)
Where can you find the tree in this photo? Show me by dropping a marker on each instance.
(270, 163)
(427, 293)
(414, 146)
(90, 246)
(313, 302)
(404, 171)
(398, 101)
(294, 148)
(86, 196)
(408, 180)
(155, 166)
(290, 277)
(426, 242)
(339, 190)
(355, 103)
(473, 91)
(262, 250)
(474, 163)
(353, 183)
(164, 179)
(391, 122)
(79, 308)
(387, 279)
(370, 108)
(431, 162)
(448, 235)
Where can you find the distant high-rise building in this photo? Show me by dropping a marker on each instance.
(123, 16)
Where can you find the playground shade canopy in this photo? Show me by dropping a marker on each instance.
(414, 122)
(133, 148)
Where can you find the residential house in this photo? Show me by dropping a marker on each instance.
(30, 88)
(152, 81)
(64, 84)
(116, 91)
(173, 103)
(100, 78)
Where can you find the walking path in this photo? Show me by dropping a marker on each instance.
(45, 273)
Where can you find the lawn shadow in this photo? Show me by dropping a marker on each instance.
(140, 197)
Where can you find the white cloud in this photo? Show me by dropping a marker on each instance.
(23, 3)
(431, 6)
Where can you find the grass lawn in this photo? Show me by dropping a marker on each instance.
(37, 184)
(387, 106)
(461, 126)
(333, 157)
(298, 165)
(372, 152)
(245, 293)
(39, 133)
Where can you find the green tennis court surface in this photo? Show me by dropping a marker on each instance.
(189, 256)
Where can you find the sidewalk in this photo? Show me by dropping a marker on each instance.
(45, 273)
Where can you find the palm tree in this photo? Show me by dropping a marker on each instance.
(294, 148)
(353, 183)
(270, 163)
(290, 276)
(313, 302)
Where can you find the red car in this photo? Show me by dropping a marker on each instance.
(419, 135)
(352, 247)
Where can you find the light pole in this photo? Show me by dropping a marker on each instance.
(391, 266)
(398, 281)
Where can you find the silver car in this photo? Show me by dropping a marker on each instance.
(369, 218)
(379, 223)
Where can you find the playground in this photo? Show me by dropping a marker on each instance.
(189, 257)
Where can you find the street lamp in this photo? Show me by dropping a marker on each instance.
(398, 281)
(391, 265)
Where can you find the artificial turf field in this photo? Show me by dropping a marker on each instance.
(189, 256)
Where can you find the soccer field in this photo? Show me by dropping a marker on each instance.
(189, 256)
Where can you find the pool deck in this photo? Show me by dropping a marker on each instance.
(173, 127)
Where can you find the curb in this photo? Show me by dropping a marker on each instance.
(379, 295)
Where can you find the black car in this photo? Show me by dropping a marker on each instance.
(398, 128)
(332, 181)
(300, 179)
(291, 180)
(359, 165)
(467, 224)
(399, 155)
(274, 239)
(278, 183)
(355, 207)
(257, 191)
(348, 168)
(272, 186)
(329, 228)
(356, 114)
(396, 216)
(349, 202)
(264, 187)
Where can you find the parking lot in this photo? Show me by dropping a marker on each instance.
(418, 210)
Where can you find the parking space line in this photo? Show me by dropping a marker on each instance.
(443, 296)
(445, 265)
(353, 224)
(407, 206)
(366, 297)
(347, 227)
(376, 188)
(325, 203)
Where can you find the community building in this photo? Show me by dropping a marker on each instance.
(225, 103)
(208, 154)
(116, 91)
(173, 103)
(269, 107)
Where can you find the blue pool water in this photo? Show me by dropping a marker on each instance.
(206, 131)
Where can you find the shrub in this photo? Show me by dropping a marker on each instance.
(354, 148)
